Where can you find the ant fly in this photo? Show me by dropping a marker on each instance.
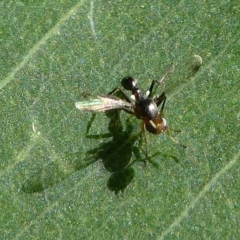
(144, 107)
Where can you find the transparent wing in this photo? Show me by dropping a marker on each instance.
(103, 103)
(179, 74)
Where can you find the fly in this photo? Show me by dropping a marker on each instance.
(142, 106)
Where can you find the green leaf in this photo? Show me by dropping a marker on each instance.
(52, 53)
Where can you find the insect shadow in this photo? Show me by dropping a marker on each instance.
(54, 172)
(120, 153)
(115, 154)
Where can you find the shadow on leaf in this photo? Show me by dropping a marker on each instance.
(115, 154)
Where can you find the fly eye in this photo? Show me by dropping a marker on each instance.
(151, 127)
(129, 83)
(157, 126)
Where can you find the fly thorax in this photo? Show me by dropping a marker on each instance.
(146, 109)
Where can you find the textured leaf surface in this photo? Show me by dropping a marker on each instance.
(52, 52)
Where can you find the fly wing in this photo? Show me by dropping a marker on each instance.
(181, 73)
(103, 103)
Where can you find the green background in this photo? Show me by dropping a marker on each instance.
(53, 51)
